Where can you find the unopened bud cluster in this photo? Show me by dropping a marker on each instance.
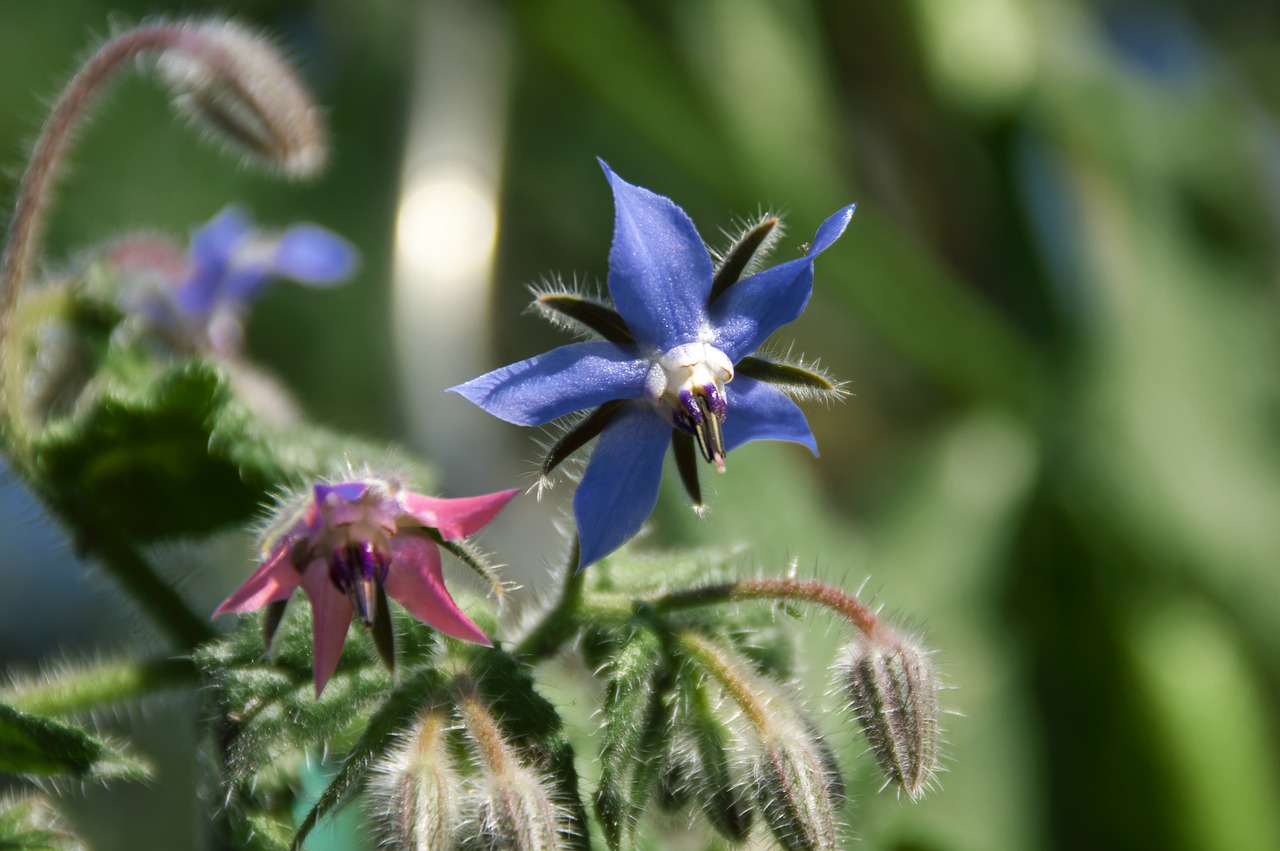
(786, 767)
(458, 783)
(893, 692)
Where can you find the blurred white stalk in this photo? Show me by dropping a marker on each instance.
(446, 236)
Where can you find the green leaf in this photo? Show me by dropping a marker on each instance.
(30, 823)
(139, 453)
(269, 701)
(31, 746)
(533, 724)
(258, 831)
(170, 451)
(635, 726)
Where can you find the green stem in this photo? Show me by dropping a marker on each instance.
(79, 690)
(156, 597)
(809, 591)
(559, 623)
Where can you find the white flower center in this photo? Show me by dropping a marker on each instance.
(687, 382)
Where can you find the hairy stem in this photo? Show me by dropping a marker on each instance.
(558, 624)
(791, 590)
(92, 688)
(726, 672)
(72, 108)
(139, 579)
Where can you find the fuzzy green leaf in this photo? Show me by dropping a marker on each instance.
(533, 724)
(30, 823)
(393, 716)
(269, 701)
(704, 733)
(165, 452)
(31, 746)
(634, 728)
(139, 452)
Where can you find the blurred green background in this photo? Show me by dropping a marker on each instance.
(1056, 305)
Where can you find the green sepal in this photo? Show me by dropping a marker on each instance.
(30, 823)
(381, 632)
(687, 465)
(798, 378)
(581, 433)
(532, 724)
(635, 729)
(34, 747)
(395, 714)
(600, 318)
(745, 256)
(723, 796)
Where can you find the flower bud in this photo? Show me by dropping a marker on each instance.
(699, 765)
(797, 785)
(413, 794)
(517, 812)
(789, 769)
(511, 806)
(237, 86)
(893, 692)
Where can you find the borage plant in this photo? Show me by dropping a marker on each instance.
(129, 409)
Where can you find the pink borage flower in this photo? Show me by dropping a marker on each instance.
(348, 542)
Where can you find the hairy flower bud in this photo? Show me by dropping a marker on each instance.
(789, 769)
(414, 792)
(893, 692)
(797, 785)
(510, 805)
(237, 85)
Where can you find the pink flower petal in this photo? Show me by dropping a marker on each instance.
(331, 617)
(274, 580)
(415, 581)
(456, 518)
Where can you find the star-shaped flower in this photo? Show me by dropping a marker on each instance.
(674, 363)
(352, 544)
(199, 301)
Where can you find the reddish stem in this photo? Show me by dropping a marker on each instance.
(809, 591)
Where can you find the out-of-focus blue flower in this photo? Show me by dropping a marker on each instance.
(669, 360)
(200, 302)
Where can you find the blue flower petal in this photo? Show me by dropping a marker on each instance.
(620, 487)
(755, 307)
(760, 411)
(211, 248)
(561, 381)
(310, 254)
(659, 268)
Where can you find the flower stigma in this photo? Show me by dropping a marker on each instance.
(688, 382)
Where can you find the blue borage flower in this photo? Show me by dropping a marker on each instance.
(674, 364)
(199, 301)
